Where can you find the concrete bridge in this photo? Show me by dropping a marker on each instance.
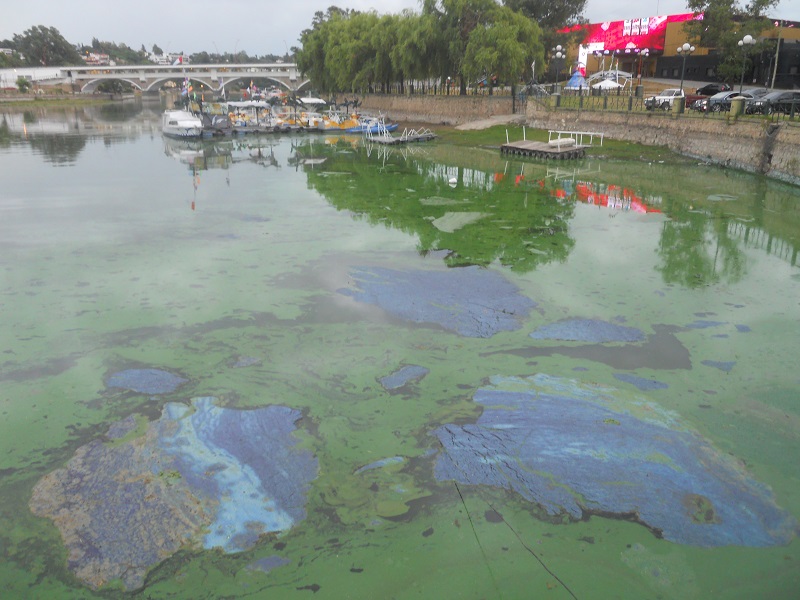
(149, 78)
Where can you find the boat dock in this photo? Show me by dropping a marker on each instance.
(561, 145)
(408, 135)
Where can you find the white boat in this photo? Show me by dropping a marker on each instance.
(181, 124)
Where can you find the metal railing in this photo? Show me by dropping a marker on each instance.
(624, 101)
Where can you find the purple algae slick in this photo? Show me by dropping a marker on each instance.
(577, 450)
(200, 476)
(471, 301)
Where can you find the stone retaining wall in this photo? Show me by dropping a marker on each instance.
(757, 146)
(754, 145)
(440, 110)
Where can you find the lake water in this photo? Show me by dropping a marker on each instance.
(284, 366)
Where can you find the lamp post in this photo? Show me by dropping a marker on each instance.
(684, 51)
(603, 54)
(743, 43)
(448, 85)
(559, 53)
(642, 55)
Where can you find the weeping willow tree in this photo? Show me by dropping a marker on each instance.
(724, 23)
(347, 50)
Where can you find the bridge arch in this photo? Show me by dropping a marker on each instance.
(214, 76)
(91, 85)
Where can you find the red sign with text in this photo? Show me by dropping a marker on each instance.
(630, 34)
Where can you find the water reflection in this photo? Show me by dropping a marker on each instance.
(148, 341)
(520, 216)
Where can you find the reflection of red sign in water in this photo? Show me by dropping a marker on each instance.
(647, 32)
(613, 197)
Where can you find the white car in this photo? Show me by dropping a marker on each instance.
(663, 100)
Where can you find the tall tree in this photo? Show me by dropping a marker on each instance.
(457, 19)
(504, 48)
(548, 14)
(45, 46)
(311, 57)
(415, 54)
(723, 25)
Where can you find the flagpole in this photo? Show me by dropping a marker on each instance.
(777, 50)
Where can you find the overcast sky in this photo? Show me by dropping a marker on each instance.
(255, 26)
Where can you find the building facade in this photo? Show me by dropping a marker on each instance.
(648, 47)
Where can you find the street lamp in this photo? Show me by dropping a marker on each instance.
(597, 55)
(642, 55)
(559, 53)
(743, 43)
(685, 51)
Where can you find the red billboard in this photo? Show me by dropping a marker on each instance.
(630, 34)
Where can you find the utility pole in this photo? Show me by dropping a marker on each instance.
(777, 50)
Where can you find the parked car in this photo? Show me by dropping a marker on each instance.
(748, 95)
(713, 88)
(664, 99)
(775, 102)
(713, 103)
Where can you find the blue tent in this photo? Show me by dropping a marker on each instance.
(576, 82)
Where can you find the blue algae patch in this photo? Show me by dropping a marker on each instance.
(266, 564)
(145, 381)
(379, 464)
(722, 366)
(121, 428)
(743, 329)
(577, 449)
(243, 460)
(402, 376)
(200, 473)
(588, 330)
(702, 324)
(471, 301)
(640, 382)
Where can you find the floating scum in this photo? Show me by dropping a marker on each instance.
(577, 450)
(470, 301)
(201, 475)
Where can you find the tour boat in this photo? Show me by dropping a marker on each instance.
(181, 124)
(374, 125)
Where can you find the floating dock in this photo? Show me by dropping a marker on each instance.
(408, 136)
(561, 145)
(545, 149)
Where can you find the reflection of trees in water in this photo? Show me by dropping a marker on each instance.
(697, 250)
(58, 149)
(480, 221)
(5, 134)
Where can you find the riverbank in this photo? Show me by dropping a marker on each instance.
(755, 145)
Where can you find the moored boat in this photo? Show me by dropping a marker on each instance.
(373, 125)
(181, 124)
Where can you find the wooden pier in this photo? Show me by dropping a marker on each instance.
(561, 145)
(544, 149)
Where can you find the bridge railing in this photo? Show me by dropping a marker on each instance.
(89, 70)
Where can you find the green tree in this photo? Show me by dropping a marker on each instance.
(23, 84)
(8, 61)
(201, 58)
(383, 38)
(45, 46)
(548, 14)
(416, 52)
(157, 50)
(457, 19)
(505, 47)
(723, 25)
(311, 58)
